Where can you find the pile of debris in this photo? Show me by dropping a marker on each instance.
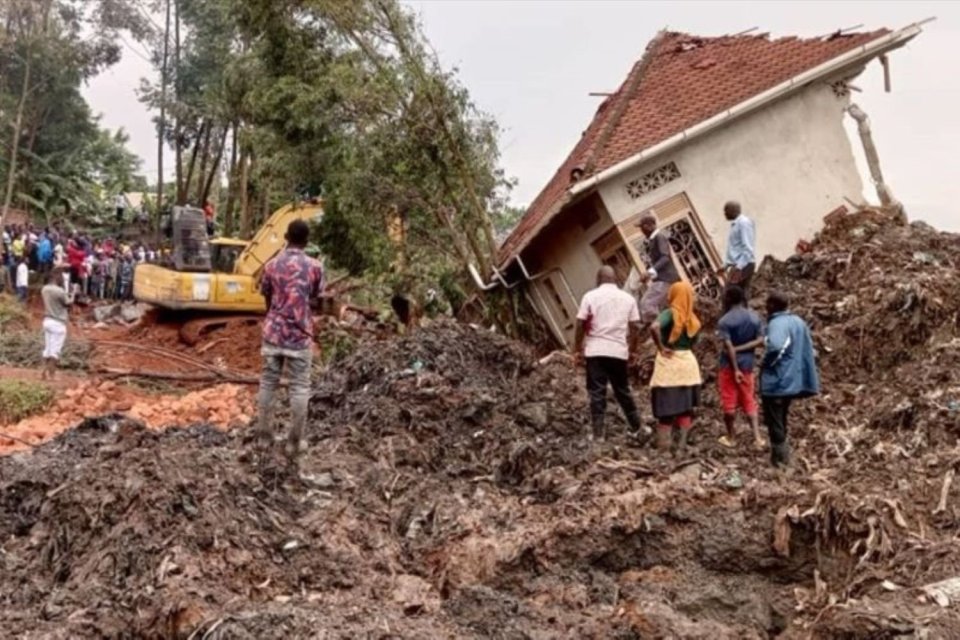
(453, 398)
(223, 406)
(448, 492)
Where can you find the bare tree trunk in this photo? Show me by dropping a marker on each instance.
(244, 194)
(204, 157)
(163, 114)
(215, 168)
(177, 129)
(15, 143)
(182, 198)
(228, 217)
(264, 206)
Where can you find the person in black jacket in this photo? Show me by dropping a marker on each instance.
(661, 272)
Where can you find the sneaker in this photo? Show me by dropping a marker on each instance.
(727, 442)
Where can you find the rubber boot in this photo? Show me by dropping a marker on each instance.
(599, 429)
(662, 438)
(681, 449)
(264, 435)
(780, 454)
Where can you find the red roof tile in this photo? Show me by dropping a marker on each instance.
(680, 81)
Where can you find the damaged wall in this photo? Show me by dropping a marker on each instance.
(789, 164)
(565, 245)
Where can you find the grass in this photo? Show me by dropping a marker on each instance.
(20, 399)
(25, 349)
(13, 314)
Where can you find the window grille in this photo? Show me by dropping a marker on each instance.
(689, 250)
(652, 180)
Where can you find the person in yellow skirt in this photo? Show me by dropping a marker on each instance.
(676, 381)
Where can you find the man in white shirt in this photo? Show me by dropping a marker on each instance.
(56, 313)
(607, 337)
(23, 278)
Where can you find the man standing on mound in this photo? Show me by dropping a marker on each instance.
(608, 325)
(292, 284)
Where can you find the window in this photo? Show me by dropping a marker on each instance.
(652, 180)
(691, 255)
(693, 251)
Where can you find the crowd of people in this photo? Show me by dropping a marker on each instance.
(611, 323)
(101, 268)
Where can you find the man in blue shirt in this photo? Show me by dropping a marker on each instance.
(740, 260)
(45, 254)
(739, 325)
(788, 372)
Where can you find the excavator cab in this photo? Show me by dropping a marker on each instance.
(191, 249)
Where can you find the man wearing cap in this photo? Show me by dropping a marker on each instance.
(661, 272)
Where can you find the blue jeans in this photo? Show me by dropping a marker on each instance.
(22, 294)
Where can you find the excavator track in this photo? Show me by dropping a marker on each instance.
(192, 331)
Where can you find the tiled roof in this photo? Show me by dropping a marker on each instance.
(680, 81)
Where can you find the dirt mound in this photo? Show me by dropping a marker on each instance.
(154, 346)
(224, 406)
(448, 492)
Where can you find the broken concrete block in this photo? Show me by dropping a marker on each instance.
(132, 312)
(105, 312)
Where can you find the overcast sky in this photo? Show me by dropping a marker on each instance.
(532, 64)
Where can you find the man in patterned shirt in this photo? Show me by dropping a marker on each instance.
(292, 283)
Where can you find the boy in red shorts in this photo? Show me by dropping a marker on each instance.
(738, 327)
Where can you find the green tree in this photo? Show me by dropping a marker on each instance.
(54, 145)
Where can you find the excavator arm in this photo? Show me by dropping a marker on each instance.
(269, 239)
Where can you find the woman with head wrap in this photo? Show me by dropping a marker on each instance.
(675, 385)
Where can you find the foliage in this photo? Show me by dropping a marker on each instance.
(54, 152)
(336, 347)
(507, 218)
(20, 399)
(347, 101)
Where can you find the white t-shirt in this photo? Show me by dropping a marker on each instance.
(607, 311)
(23, 275)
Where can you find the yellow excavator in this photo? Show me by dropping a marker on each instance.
(219, 275)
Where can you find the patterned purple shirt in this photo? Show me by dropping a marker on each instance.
(290, 281)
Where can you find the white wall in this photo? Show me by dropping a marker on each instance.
(788, 164)
(567, 246)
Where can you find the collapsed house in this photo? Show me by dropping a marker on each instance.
(697, 122)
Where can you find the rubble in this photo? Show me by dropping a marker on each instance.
(448, 491)
(224, 406)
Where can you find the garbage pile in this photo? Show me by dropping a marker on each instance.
(223, 406)
(448, 491)
(879, 448)
(453, 398)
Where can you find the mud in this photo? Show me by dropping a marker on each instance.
(448, 492)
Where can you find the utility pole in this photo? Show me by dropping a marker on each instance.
(163, 115)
